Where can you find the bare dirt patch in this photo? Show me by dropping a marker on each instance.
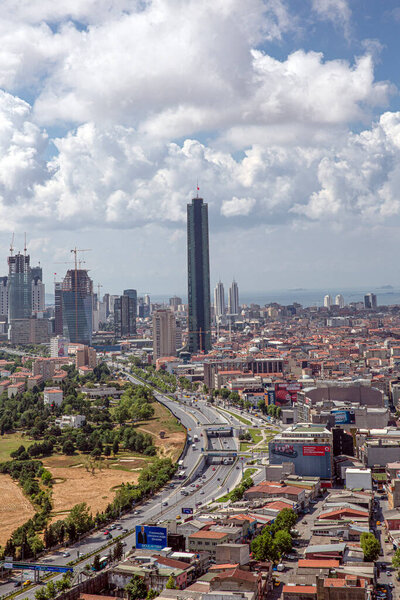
(15, 509)
(78, 485)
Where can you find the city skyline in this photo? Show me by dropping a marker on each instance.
(105, 161)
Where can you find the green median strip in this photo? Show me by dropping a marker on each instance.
(238, 417)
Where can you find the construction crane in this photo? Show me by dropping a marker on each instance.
(201, 332)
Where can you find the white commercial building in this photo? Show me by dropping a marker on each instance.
(339, 301)
(358, 479)
(327, 301)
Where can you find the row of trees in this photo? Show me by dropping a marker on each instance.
(237, 493)
(275, 539)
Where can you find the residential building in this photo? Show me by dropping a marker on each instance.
(174, 302)
(233, 299)
(370, 301)
(86, 357)
(207, 541)
(339, 301)
(327, 301)
(164, 334)
(219, 301)
(53, 396)
(199, 323)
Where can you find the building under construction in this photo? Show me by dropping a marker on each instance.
(76, 309)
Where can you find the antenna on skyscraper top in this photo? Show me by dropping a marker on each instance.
(12, 245)
(198, 189)
(25, 244)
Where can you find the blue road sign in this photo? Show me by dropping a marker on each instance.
(39, 567)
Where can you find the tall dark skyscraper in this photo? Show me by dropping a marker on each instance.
(77, 306)
(133, 309)
(19, 287)
(198, 277)
(124, 317)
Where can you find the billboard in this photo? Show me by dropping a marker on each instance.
(309, 460)
(150, 537)
(315, 450)
(344, 417)
(286, 393)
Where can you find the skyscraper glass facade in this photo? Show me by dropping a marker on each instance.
(77, 307)
(198, 277)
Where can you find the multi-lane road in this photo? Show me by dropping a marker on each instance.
(211, 482)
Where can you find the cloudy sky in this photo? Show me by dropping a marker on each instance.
(286, 112)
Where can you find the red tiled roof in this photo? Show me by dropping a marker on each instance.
(322, 564)
(300, 589)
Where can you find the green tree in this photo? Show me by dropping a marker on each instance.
(68, 447)
(263, 548)
(396, 559)
(136, 588)
(41, 594)
(286, 519)
(51, 590)
(170, 585)
(118, 551)
(96, 562)
(370, 546)
(115, 447)
(283, 541)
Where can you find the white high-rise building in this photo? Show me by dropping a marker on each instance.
(328, 301)
(339, 301)
(233, 299)
(219, 300)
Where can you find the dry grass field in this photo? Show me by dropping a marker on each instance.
(172, 444)
(15, 509)
(74, 484)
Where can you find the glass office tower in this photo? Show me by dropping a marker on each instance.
(198, 277)
(77, 306)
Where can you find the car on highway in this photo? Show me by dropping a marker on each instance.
(165, 503)
(106, 532)
(17, 584)
(213, 468)
(66, 554)
(26, 583)
(201, 492)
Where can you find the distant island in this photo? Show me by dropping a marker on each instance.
(298, 290)
(386, 287)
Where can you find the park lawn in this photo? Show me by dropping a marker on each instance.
(10, 442)
(256, 435)
(245, 446)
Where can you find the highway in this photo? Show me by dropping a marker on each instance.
(210, 483)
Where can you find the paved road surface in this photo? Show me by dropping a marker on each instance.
(217, 480)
